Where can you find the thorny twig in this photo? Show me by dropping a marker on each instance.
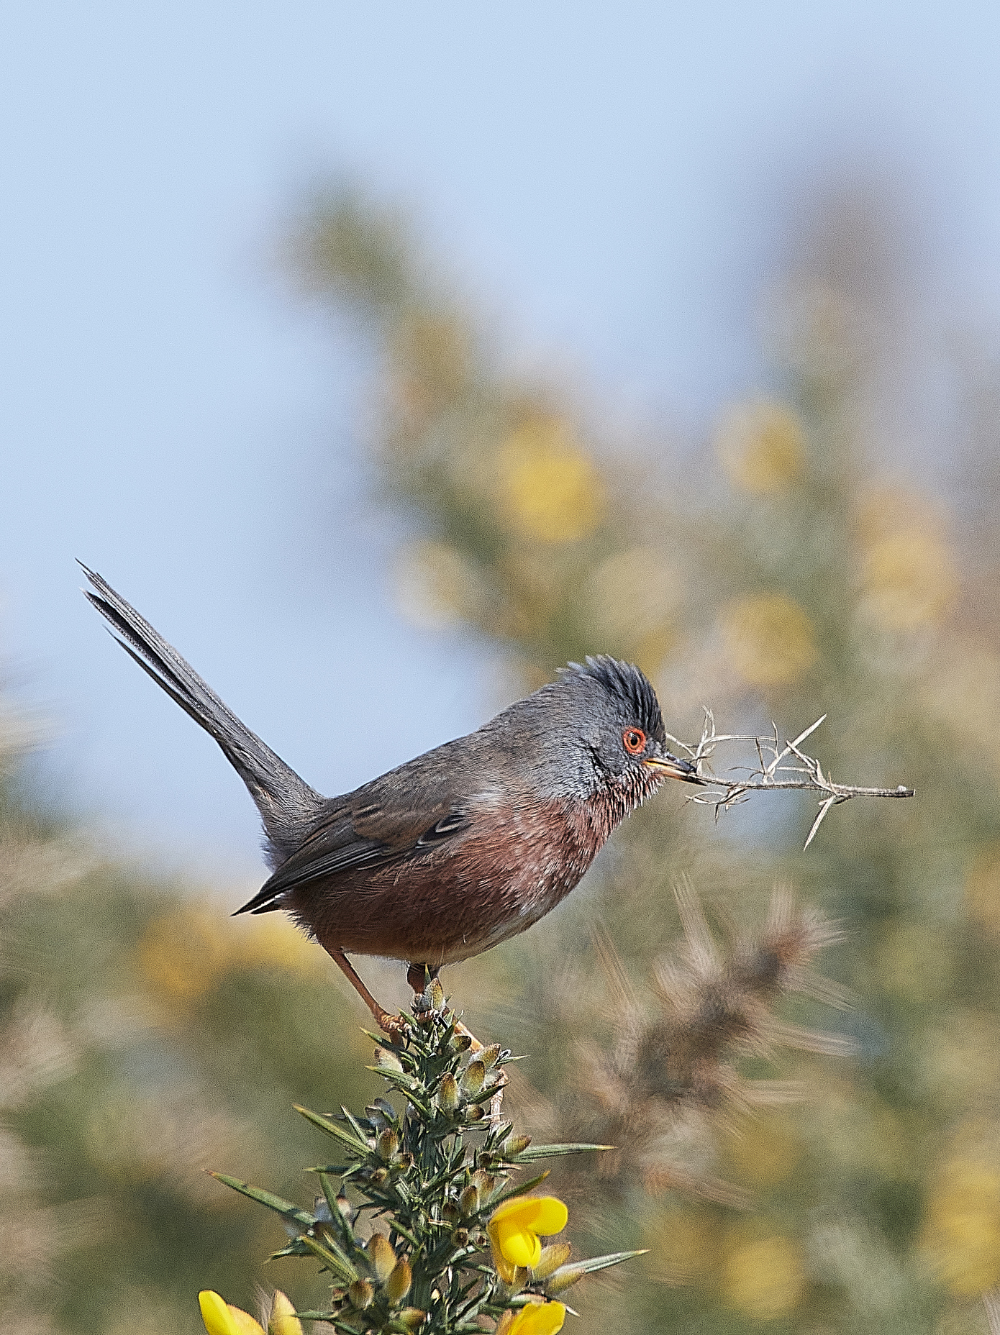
(771, 764)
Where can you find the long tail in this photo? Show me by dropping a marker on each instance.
(288, 806)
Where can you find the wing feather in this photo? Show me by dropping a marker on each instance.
(362, 834)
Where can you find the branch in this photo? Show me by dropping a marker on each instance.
(773, 773)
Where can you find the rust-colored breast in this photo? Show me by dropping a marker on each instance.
(514, 864)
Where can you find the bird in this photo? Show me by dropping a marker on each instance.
(455, 851)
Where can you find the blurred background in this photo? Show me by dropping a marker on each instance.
(387, 359)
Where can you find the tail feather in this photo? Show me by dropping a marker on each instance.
(287, 804)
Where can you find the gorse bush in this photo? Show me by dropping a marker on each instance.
(417, 1227)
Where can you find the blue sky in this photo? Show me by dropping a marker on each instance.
(613, 179)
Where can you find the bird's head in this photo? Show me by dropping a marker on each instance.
(598, 731)
(628, 741)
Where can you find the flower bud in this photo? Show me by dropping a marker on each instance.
(376, 1116)
(484, 1181)
(450, 1212)
(564, 1277)
(514, 1145)
(386, 1145)
(387, 1059)
(397, 1286)
(469, 1200)
(435, 995)
(448, 1096)
(489, 1055)
(361, 1294)
(346, 1208)
(460, 1237)
(474, 1113)
(552, 1258)
(283, 1319)
(461, 1042)
(321, 1210)
(381, 1257)
(379, 1176)
(411, 1317)
(474, 1077)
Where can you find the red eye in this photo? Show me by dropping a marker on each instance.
(635, 741)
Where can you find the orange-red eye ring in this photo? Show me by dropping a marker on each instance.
(635, 741)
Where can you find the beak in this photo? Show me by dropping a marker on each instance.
(673, 767)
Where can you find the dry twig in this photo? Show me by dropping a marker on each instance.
(773, 772)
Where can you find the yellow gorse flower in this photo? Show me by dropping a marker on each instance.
(548, 487)
(534, 1319)
(961, 1233)
(770, 640)
(283, 1319)
(516, 1229)
(221, 1319)
(764, 1277)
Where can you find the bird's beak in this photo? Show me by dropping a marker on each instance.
(673, 767)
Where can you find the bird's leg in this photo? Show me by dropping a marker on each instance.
(389, 1024)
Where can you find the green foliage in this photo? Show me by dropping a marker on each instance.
(432, 1193)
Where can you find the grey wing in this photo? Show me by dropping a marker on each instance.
(362, 834)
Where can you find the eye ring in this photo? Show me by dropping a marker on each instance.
(635, 741)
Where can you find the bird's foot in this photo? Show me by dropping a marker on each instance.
(393, 1025)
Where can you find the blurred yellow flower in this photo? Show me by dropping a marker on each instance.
(909, 580)
(183, 954)
(764, 1278)
(514, 1230)
(533, 1319)
(761, 446)
(961, 1234)
(908, 573)
(769, 640)
(276, 943)
(548, 487)
(685, 1243)
(982, 888)
(221, 1319)
(283, 1319)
